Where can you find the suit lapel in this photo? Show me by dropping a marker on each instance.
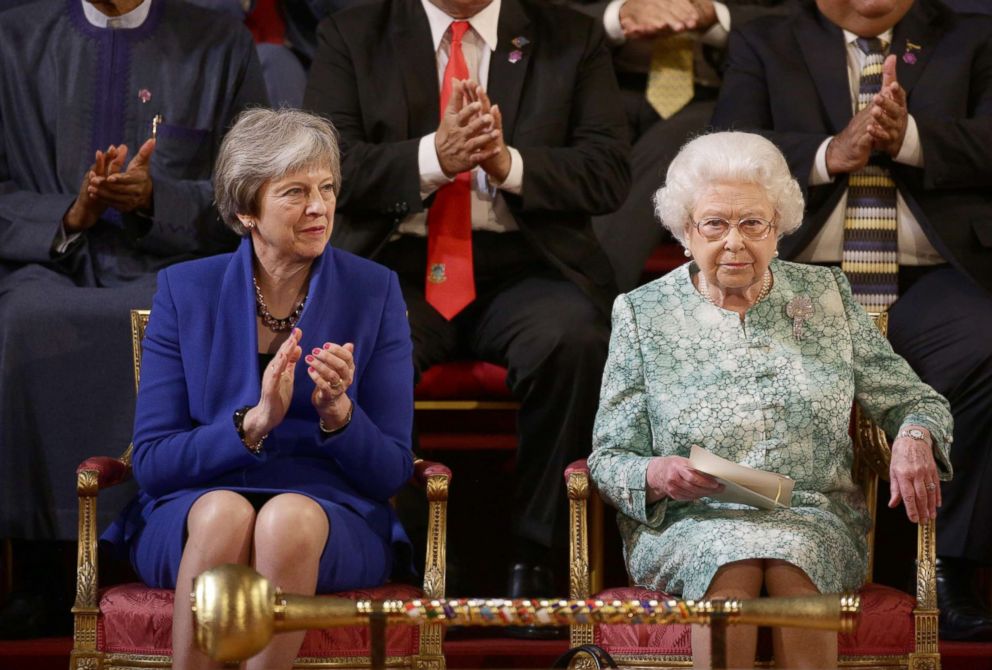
(822, 46)
(914, 40)
(414, 53)
(510, 61)
(232, 369)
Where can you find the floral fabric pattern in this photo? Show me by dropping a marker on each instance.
(682, 371)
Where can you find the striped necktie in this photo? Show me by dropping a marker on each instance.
(870, 258)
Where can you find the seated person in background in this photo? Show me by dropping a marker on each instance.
(668, 56)
(90, 209)
(486, 215)
(707, 355)
(884, 112)
(243, 452)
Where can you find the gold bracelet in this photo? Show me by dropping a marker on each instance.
(334, 431)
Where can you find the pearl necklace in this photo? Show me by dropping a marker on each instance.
(766, 287)
(271, 322)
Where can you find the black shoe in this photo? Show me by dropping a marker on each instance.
(963, 616)
(529, 580)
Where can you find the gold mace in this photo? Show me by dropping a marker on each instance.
(236, 611)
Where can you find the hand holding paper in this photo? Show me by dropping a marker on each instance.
(743, 484)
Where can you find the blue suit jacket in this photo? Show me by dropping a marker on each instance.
(200, 363)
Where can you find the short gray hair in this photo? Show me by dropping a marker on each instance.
(267, 144)
(727, 157)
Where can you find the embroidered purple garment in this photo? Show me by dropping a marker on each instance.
(67, 88)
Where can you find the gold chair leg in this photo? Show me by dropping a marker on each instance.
(926, 652)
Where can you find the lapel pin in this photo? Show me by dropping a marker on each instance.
(520, 42)
(909, 56)
(144, 95)
(515, 56)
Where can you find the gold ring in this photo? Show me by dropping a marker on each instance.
(336, 385)
(931, 486)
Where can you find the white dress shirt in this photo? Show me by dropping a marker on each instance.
(132, 19)
(489, 210)
(828, 245)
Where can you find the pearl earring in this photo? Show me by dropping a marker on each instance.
(776, 253)
(687, 253)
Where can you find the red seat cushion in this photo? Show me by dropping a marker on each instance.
(885, 627)
(463, 380)
(138, 620)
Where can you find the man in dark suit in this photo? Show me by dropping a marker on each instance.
(646, 37)
(920, 116)
(486, 215)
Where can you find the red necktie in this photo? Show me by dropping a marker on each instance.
(450, 284)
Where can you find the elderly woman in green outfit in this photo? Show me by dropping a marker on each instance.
(757, 360)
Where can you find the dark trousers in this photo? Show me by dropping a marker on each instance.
(942, 325)
(631, 233)
(550, 337)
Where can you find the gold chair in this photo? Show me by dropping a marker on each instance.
(895, 631)
(124, 627)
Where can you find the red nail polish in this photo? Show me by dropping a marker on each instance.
(310, 360)
(316, 351)
(327, 345)
(310, 370)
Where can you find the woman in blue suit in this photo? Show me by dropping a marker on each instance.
(244, 453)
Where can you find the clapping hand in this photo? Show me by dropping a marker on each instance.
(128, 190)
(277, 390)
(674, 477)
(495, 156)
(850, 149)
(889, 113)
(87, 208)
(332, 369)
(463, 133)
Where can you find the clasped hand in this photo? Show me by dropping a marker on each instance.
(658, 18)
(470, 134)
(108, 184)
(881, 126)
(332, 369)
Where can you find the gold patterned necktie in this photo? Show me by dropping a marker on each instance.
(871, 253)
(670, 79)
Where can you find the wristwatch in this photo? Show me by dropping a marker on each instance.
(914, 434)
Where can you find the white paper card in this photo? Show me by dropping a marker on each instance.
(744, 484)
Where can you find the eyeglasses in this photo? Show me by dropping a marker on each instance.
(714, 228)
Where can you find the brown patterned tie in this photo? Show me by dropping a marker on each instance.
(670, 79)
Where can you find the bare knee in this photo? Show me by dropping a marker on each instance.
(740, 579)
(220, 518)
(291, 525)
(785, 579)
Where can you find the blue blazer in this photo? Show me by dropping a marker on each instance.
(200, 364)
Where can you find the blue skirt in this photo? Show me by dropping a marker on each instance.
(355, 557)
